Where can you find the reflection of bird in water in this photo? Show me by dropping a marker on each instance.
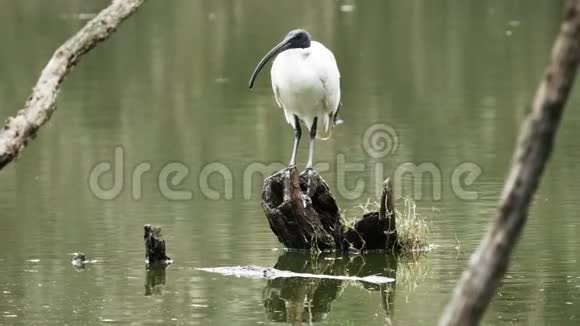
(298, 300)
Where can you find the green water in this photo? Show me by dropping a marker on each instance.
(451, 78)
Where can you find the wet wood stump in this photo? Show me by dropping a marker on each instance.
(155, 247)
(314, 222)
(156, 260)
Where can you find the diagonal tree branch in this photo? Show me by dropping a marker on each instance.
(489, 263)
(41, 104)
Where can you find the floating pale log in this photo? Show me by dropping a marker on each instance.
(302, 286)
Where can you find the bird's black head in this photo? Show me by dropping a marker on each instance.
(295, 39)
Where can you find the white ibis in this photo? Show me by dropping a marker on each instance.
(306, 85)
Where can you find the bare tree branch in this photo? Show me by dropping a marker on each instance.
(41, 104)
(489, 263)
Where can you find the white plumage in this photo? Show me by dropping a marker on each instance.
(306, 83)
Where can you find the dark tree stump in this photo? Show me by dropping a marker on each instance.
(313, 222)
(298, 227)
(155, 247)
(376, 230)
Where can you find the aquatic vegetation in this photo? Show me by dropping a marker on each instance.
(412, 228)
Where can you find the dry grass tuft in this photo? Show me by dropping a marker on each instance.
(412, 228)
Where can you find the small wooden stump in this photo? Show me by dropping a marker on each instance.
(155, 247)
(314, 222)
(155, 260)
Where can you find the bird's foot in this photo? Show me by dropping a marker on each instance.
(290, 167)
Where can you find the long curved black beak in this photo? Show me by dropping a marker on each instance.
(284, 45)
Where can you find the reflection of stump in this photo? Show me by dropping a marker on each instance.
(296, 300)
(155, 246)
(155, 280)
(302, 222)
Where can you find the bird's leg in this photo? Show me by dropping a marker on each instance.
(309, 165)
(297, 134)
(311, 145)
